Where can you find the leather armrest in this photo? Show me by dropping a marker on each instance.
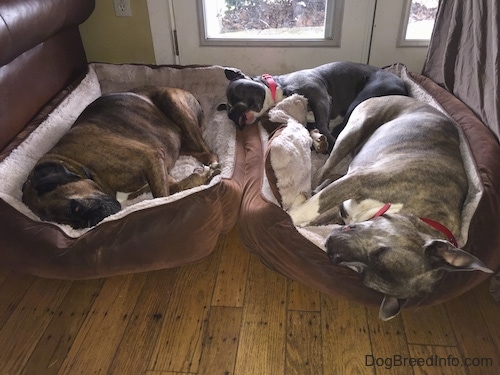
(27, 23)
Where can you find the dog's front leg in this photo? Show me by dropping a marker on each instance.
(321, 112)
(324, 207)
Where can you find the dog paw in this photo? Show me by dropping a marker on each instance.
(215, 170)
(299, 199)
(207, 172)
(215, 165)
(320, 143)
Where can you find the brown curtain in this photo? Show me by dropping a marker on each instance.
(463, 55)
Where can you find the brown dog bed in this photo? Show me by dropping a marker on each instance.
(147, 233)
(273, 184)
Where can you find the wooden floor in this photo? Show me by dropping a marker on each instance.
(231, 315)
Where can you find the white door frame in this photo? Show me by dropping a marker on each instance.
(378, 36)
(356, 27)
(162, 23)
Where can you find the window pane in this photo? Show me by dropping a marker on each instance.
(265, 19)
(421, 19)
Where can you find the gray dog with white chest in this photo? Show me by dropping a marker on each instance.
(399, 203)
(121, 143)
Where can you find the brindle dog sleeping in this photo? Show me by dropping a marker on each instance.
(407, 162)
(122, 142)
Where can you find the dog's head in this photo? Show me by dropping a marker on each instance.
(246, 98)
(394, 255)
(56, 194)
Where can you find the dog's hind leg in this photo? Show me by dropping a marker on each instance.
(157, 178)
(381, 83)
(360, 126)
(173, 103)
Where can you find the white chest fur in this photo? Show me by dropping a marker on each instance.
(365, 210)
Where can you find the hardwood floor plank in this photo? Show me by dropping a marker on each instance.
(12, 291)
(261, 348)
(346, 340)
(60, 334)
(141, 335)
(303, 343)
(490, 310)
(168, 373)
(232, 273)
(175, 322)
(388, 340)
(473, 335)
(24, 328)
(179, 344)
(220, 341)
(436, 360)
(95, 345)
(301, 297)
(429, 325)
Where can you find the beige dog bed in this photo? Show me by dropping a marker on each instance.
(147, 233)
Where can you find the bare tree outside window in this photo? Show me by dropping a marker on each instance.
(421, 19)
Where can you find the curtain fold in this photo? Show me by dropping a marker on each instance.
(463, 55)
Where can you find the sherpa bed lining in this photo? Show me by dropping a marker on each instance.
(207, 84)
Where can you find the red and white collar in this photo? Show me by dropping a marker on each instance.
(434, 224)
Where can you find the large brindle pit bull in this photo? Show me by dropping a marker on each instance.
(121, 143)
(400, 202)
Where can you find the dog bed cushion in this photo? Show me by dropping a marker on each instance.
(147, 233)
(288, 173)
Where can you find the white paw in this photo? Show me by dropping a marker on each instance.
(306, 212)
(320, 143)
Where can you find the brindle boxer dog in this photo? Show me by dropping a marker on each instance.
(405, 153)
(122, 142)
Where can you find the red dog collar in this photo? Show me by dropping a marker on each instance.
(382, 211)
(434, 224)
(271, 83)
(440, 227)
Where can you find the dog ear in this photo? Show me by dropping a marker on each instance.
(47, 176)
(233, 74)
(448, 257)
(390, 307)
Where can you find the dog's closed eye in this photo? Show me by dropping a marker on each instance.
(76, 208)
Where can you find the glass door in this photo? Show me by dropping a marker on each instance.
(341, 32)
(401, 32)
(279, 36)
